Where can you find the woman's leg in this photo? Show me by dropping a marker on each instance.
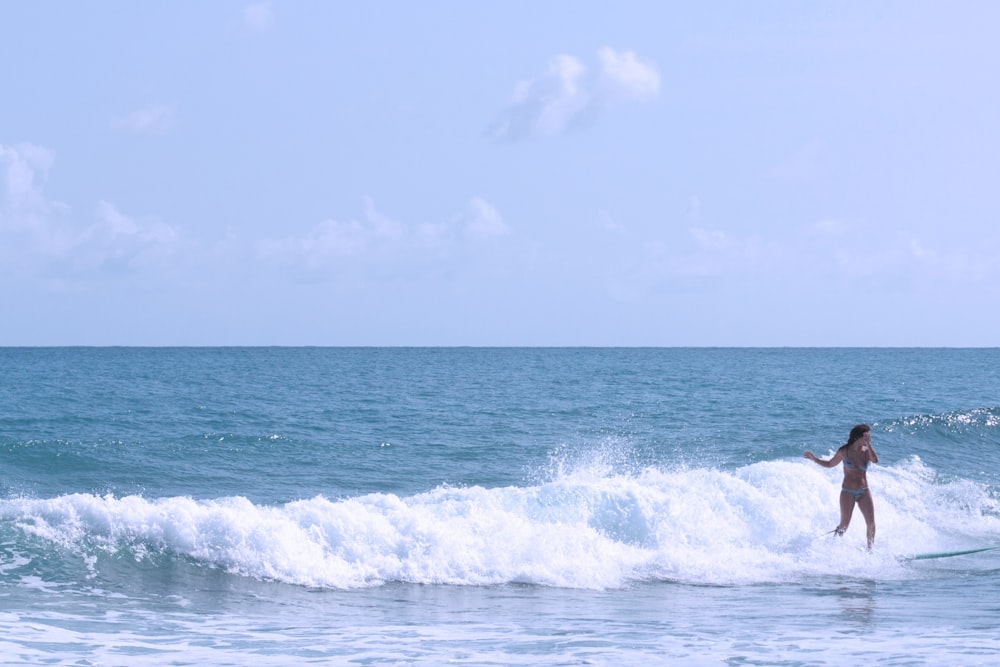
(867, 506)
(846, 510)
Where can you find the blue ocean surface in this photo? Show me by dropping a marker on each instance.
(488, 506)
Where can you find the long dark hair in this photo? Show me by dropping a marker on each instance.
(857, 433)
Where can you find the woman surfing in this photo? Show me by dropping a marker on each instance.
(855, 455)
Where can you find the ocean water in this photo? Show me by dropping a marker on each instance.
(318, 506)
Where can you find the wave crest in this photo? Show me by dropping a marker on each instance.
(587, 528)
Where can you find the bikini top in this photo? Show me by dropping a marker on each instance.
(847, 464)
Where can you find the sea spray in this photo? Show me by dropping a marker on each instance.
(589, 528)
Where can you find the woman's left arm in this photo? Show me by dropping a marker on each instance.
(872, 456)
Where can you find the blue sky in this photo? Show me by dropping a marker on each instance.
(516, 173)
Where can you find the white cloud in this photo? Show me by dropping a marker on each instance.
(39, 236)
(154, 119)
(377, 239)
(115, 239)
(712, 239)
(481, 219)
(23, 203)
(382, 226)
(829, 227)
(606, 222)
(31, 226)
(719, 254)
(831, 251)
(566, 94)
(334, 243)
(258, 16)
(42, 238)
(901, 255)
(627, 76)
(318, 249)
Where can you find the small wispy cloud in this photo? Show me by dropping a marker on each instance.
(124, 242)
(153, 119)
(482, 220)
(318, 248)
(623, 75)
(608, 223)
(713, 239)
(717, 253)
(829, 227)
(567, 94)
(382, 226)
(331, 243)
(258, 16)
(376, 238)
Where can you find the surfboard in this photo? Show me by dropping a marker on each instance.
(949, 554)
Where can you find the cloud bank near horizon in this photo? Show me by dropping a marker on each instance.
(44, 238)
(41, 237)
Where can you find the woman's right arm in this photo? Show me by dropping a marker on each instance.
(834, 460)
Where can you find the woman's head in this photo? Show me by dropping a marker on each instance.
(857, 433)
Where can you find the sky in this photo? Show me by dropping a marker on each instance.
(499, 173)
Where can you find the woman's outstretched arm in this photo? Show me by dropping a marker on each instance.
(834, 460)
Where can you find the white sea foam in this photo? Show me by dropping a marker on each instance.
(589, 527)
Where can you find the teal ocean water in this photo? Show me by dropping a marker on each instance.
(328, 506)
